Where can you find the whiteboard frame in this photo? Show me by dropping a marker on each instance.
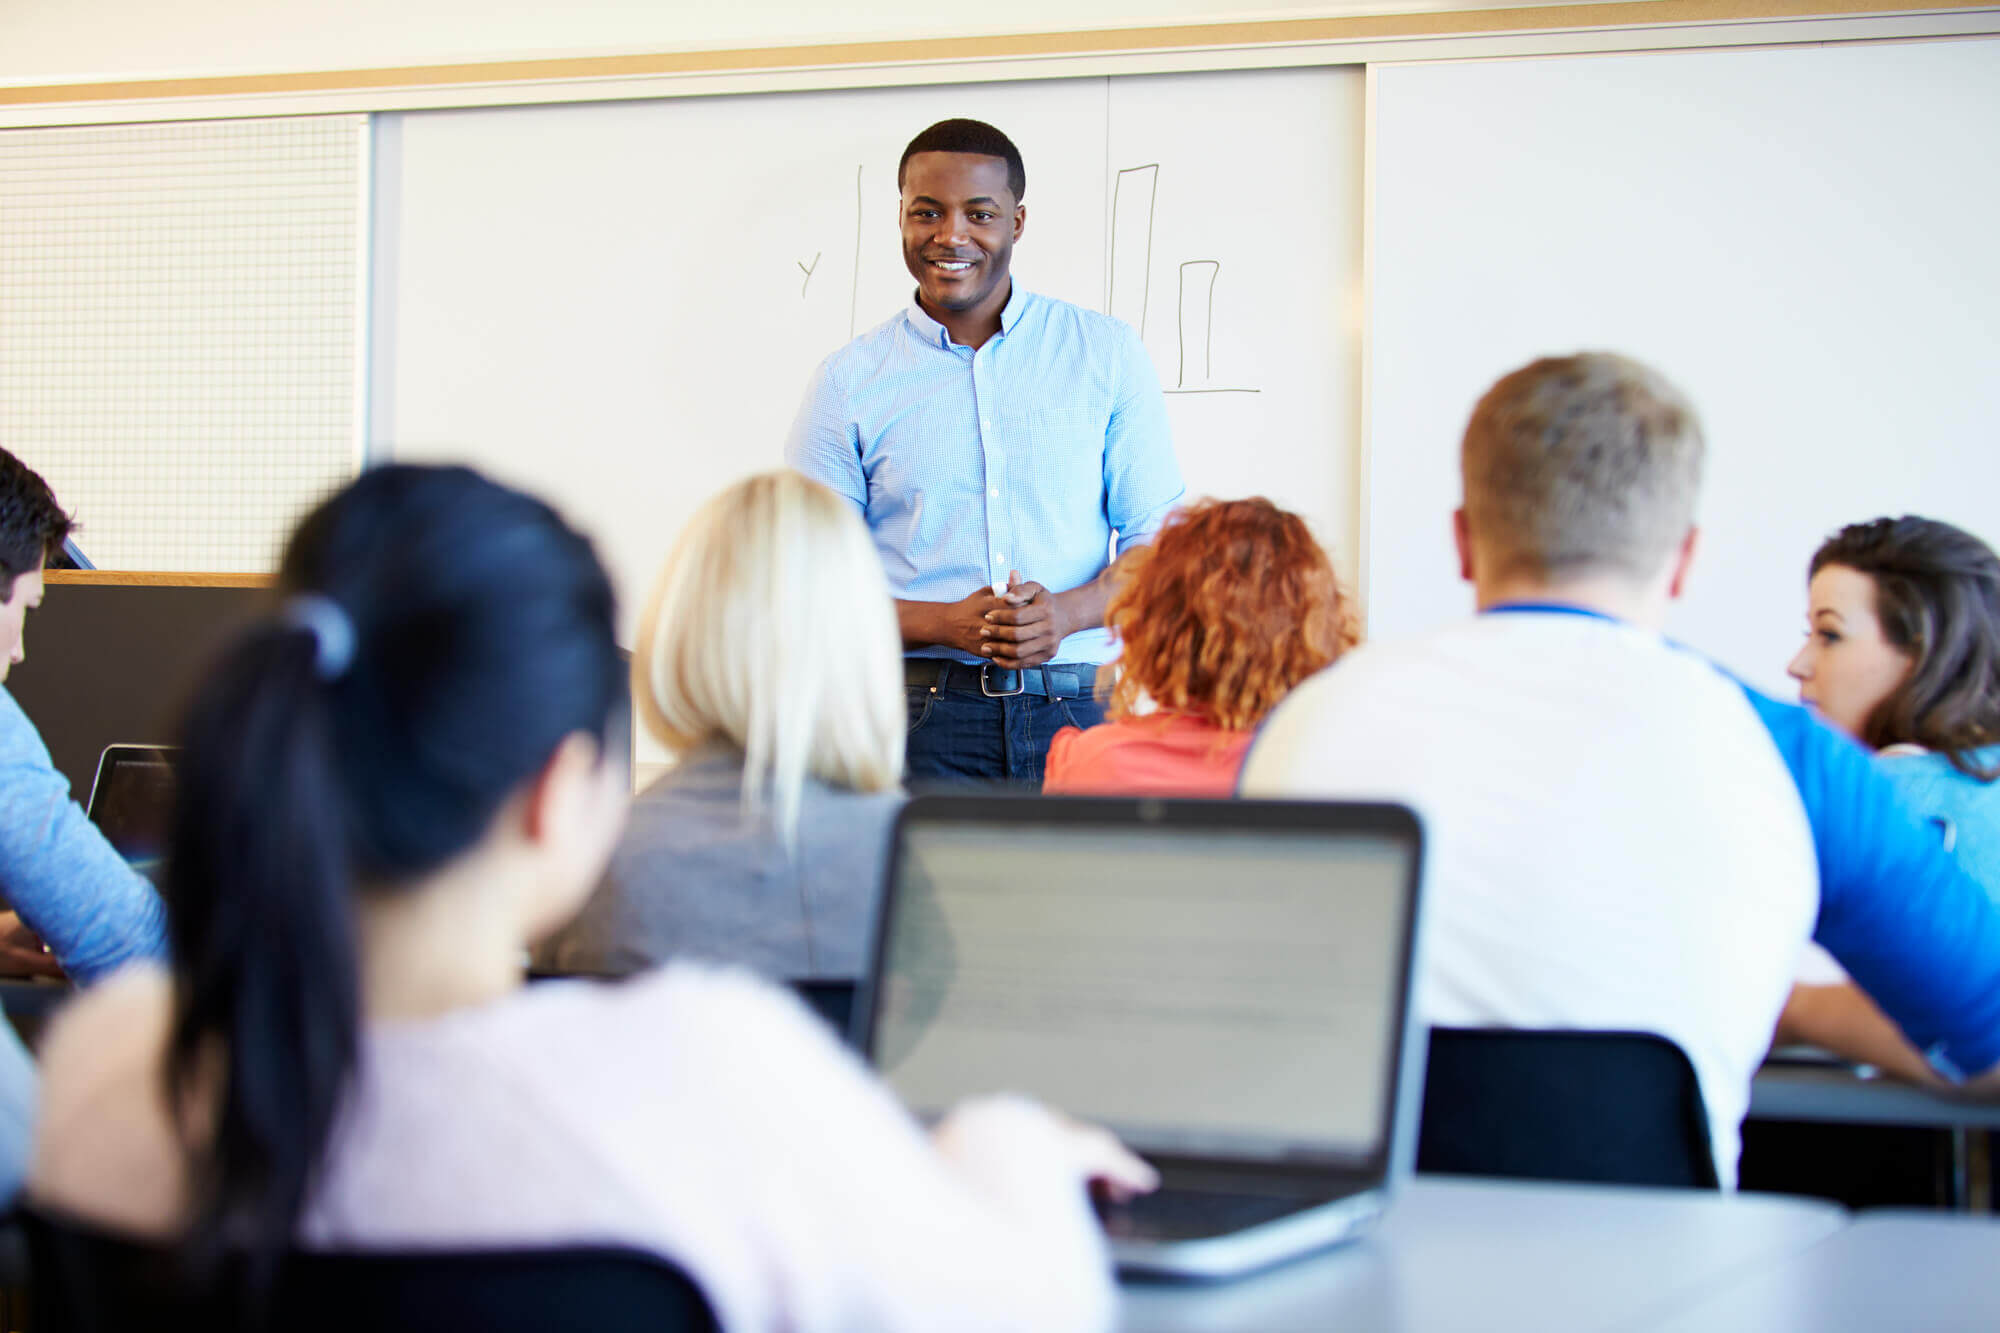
(1583, 29)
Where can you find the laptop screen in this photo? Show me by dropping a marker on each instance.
(132, 799)
(1199, 990)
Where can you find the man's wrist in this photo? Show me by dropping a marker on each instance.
(917, 622)
(1063, 612)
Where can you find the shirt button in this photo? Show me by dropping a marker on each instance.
(999, 559)
(985, 424)
(995, 492)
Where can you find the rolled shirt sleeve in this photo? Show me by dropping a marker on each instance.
(1142, 479)
(1912, 928)
(56, 869)
(823, 444)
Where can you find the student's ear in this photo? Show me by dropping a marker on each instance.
(1461, 537)
(1683, 562)
(1020, 220)
(558, 798)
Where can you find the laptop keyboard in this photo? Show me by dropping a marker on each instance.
(1184, 1214)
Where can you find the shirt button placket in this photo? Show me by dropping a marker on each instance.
(997, 535)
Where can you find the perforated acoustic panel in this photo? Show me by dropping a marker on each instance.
(181, 308)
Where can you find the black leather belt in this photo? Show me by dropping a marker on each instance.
(1057, 680)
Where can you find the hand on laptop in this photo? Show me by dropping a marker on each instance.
(998, 1140)
(22, 953)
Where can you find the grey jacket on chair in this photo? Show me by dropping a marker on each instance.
(695, 876)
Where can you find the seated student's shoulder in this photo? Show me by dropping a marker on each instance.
(1361, 719)
(120, 1022)
(20, 742)
(104, 1143)
(1359, 677)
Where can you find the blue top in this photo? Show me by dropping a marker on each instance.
(1028, 453)
(92, 909)
(1964, 811)
(1912, 928)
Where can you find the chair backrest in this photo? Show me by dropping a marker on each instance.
(90, 1281)
(832, 1001)
(1617, 1107)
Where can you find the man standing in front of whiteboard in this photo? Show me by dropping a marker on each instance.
(995, 441)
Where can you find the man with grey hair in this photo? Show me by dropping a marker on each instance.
(1622, 837)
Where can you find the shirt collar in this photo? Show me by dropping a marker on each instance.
(1548, 609)
(927, 329)
(1017, 301)
(934, 333)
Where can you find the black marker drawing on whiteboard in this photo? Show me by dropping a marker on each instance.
(854, 292)
(1194, 325)
(807, 269)
(1128, 280)
(1132, 220)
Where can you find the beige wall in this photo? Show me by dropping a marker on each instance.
(53, 41)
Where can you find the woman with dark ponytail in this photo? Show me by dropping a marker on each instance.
(388, 791)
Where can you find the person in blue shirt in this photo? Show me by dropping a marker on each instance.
(1902, 652)
(1619, 835)
(996, 442)
(77, 907)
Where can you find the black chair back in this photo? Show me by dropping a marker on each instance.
(832, 1001)
(90, 1281)
(1616, 1107)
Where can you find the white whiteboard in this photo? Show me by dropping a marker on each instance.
(611, 303)
(1803, 239)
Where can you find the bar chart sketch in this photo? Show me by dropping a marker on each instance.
(1135, 195)
(1128, 276)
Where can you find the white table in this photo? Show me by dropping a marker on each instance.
(1495, 1256)
(1908, 1271)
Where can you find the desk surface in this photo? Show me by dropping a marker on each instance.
(1497, 1256)
(1837, 1093)
(1889, 1270)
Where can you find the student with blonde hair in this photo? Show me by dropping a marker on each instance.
(388, 788)
(768, 663)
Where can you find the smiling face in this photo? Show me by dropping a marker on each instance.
(960, 222)
(1847, 666)
(27, 595)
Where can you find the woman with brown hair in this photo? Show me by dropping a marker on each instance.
(1902, 652)
(1231, 606)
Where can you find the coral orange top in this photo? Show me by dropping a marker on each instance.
(1163, 754)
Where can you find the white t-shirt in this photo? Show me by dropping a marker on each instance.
(693, 1112)
(1614, 842)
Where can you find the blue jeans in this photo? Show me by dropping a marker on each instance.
(958, 737)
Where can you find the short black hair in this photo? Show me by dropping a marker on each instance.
(32, 525)
(969, 136)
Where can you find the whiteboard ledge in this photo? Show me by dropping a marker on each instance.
(1561, 29)
(115, 578)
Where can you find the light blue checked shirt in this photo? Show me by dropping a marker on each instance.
(1026, 454)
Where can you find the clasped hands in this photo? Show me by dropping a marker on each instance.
(1021, 627)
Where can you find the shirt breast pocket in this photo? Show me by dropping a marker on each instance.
(1066, 450)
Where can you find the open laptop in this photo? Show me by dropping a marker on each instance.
(132, 800)
(1224, 984)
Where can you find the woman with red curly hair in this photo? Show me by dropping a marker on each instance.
(1231, 605)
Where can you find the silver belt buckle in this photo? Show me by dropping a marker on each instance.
(1020, 683)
